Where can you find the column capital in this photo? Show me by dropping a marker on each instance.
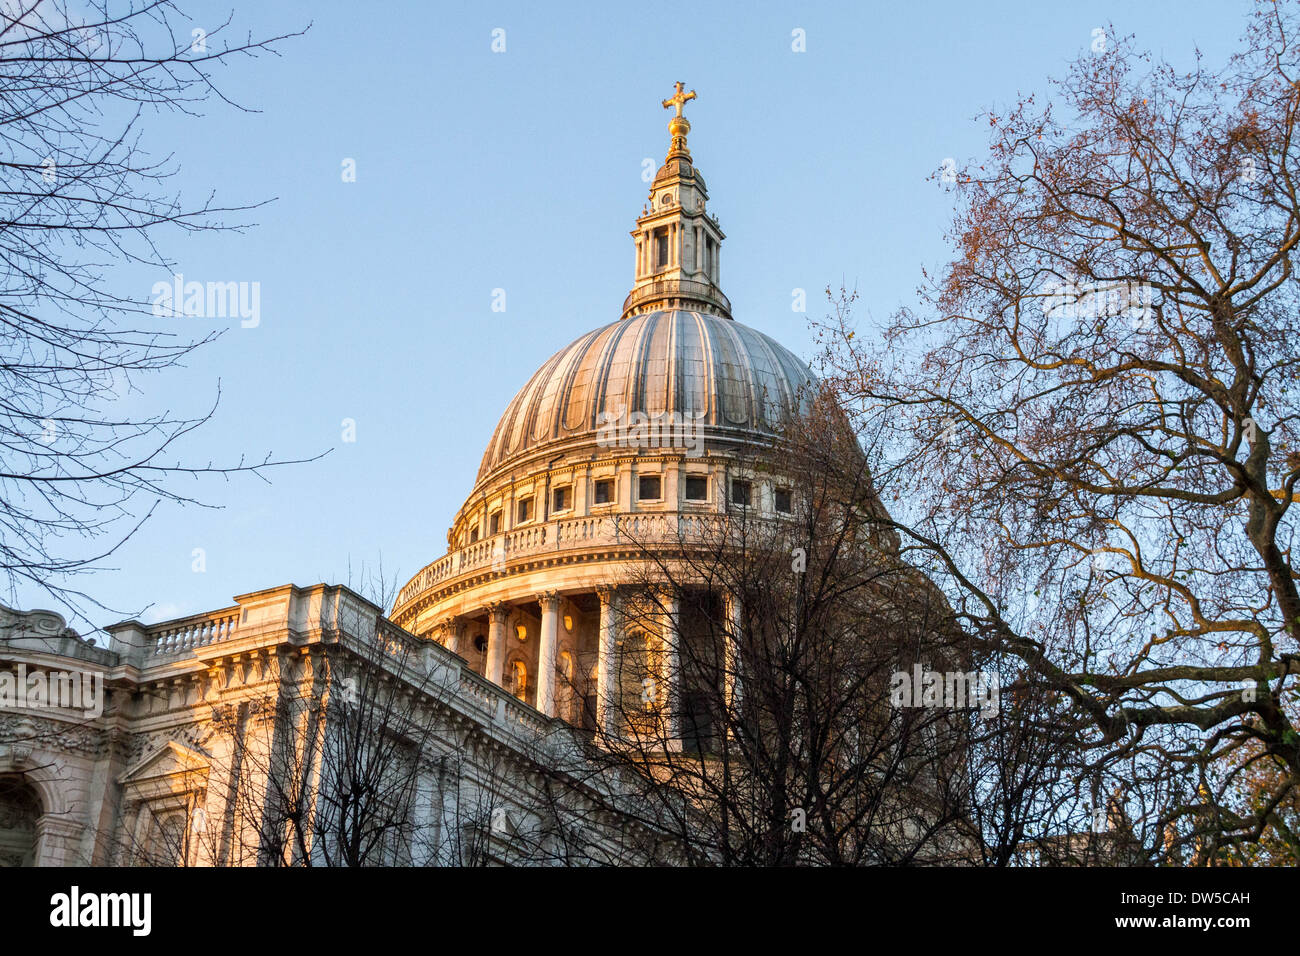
(498, 611)
(667, 592)
(447, 631)
(549, 600)
(606, 593)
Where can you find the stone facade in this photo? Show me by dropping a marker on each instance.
(178, 767)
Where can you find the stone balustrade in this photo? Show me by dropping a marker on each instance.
(170, 640)
(178, 637)
(561, 535)
(500, 704)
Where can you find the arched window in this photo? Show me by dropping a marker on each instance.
(519, 673)
(170, 850)
(589, 695)
(162, 834)
(20, 808)
(638, 677)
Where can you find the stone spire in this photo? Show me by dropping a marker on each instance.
(677, 241)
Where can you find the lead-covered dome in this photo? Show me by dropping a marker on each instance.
(737, 382)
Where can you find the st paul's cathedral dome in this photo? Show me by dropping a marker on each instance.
(640, 430)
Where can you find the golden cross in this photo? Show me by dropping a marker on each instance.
(679, 98)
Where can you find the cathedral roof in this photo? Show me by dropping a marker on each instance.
(738, 382)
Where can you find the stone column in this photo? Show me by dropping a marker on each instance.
(498, 611)
(448, 634)
(732, 630)
(546, 652)
(672, 670)
(606, 705)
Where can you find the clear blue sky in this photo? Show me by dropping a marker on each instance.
(522, 170)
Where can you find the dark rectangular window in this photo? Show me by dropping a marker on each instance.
(649, 488)
(740, 493)
(561, 499)
(494, 522)
(473, 535)
(784, 501)
(661, 248)
(697, 488)
(525, 509)
(604, 491)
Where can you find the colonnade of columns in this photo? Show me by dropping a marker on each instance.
(684, 243)
(452, 634)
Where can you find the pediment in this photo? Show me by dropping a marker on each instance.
(170, 760)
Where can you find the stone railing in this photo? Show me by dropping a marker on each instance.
(680, 290)
(558, 536)
(496, 702)
(177, 637)
(500, 704)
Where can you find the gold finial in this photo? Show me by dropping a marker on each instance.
(679, 126)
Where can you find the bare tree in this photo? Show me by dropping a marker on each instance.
(1087, 432)
(82, 204)
(1255, 785)
(782, 740)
